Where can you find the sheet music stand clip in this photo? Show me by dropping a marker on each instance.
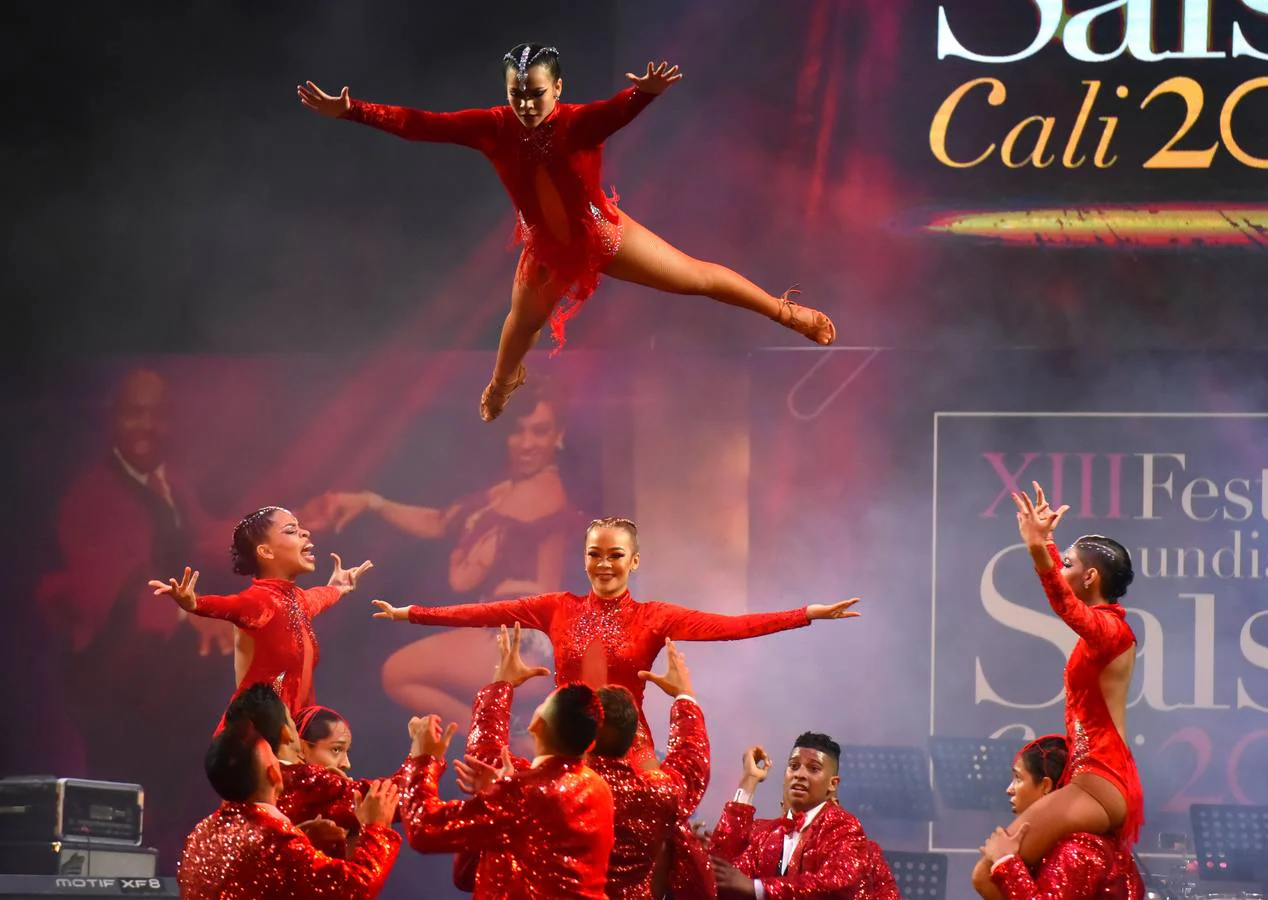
(971, 773)
(888, 782)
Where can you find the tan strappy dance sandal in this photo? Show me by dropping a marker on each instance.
(816, 326)
(495, 396)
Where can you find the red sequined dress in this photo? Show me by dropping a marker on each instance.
(1096, 747)
(650, 806)
(833, 858)
(1080, 867)
(250, 851)
(609, 641)
(275, 642)
(565, 221)
(552, 826)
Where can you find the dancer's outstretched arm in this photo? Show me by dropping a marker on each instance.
(246, 610)
(474, 128)
(683, 624)
(593, 123)
(531, 612)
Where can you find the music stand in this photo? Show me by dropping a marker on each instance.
(1231, 842)
(920, 876)
(889, 782)
(971, 773)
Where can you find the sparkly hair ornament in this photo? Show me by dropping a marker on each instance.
(1048, 746)
(526, 60)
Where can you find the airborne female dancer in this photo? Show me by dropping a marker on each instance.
(1100, 789)
(549, 155)
(608, 637)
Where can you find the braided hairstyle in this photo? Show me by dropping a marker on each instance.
(1111, 559)
(626, 525)
(522, 57)
(247, 535)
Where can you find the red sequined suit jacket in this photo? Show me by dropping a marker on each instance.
(553, 822)
(834, 858)
(312, 792)
(276, 643)
(1096, 747)
(249, 851)
(649, 806)
(603, 642)
(1080, 867)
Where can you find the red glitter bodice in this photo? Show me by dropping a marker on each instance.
(551, 172)
(833, 858)
(552, 824)
(609, 641)
(1080, 867)
(276, 644)
(249, 851)
(1096, 746)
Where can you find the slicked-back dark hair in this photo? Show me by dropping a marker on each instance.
(620, 722)
(576, 715)
(263, 708)
(230, 762)
(1111, 559)
(813, 740)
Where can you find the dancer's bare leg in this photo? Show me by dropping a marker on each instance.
(647, 259)
(532, 299)
(1089, 803)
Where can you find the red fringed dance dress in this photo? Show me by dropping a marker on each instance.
(601, 642)
(567, 224)
(552, 826)
(250, 851)
(275, 642)
(651, 807)
(833, 858)
(1080, 867)
(1096, 747)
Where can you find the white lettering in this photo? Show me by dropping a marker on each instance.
(1149, 486)
(1241, 46)
(1050, 12)
(1257, 655)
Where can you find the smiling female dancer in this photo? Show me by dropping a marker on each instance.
(549, 157)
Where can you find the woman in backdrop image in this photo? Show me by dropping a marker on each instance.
(1080, 866)
(274, 642)
(549, 157)
(509, 540)
(608, 637)
(1100, 790)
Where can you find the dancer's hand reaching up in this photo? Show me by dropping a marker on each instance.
(388, 611)
(181, 591)
(346, 579)
(315, 98)
(677, 678)
(427, 737)
(511, 667)
(832, 610)
(756, 768)
(655, 80)
(476, 775)
(1036, 520)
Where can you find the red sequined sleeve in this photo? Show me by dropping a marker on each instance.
(1072, 871)
(311, 873)
(433, 825)
(593, 123)
(531, 612)
(491, 724)
(1106, 635)
(475, 128)
(684, 624)
(250, 609)
(320, 599)
(733, 834)
(845, 875)
(687, 757)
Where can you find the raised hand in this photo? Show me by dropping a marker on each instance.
(756, 768)
(315, 98)
(1036, 520)
(839, 610)
(388, 611)
(656, 79)
(181, 591)
(511, 667)
(1003, 843)
(476, 775)
(346, 579)
(427, 737)
(378, 807)
(677, 677)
